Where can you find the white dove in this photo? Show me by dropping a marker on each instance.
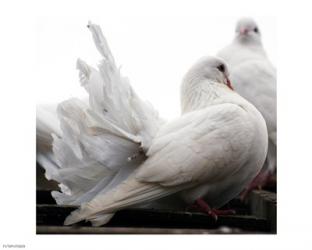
(212, 151)
(254, 77)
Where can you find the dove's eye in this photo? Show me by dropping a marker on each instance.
(256, 30)
(221, 68)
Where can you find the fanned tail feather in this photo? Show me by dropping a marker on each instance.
(46, 125)
(95, 140)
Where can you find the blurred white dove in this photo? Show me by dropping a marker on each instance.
(116, 152)
(254, 77)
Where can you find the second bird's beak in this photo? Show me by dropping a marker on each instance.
(243, 31)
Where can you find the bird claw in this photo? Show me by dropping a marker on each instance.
(214, 213)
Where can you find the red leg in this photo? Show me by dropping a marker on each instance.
(214, 213)
(258, 182)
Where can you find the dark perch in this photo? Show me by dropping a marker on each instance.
(255, 216)
(258, 216)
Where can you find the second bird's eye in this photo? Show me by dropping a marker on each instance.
(256, 30)
(221, 68)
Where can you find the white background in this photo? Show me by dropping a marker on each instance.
(21, 78)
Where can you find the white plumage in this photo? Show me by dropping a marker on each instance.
(254, 77)
(115, 152)
(96, 143)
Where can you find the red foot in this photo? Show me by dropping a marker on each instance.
(214, 213)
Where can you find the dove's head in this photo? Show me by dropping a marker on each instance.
(204, 79)
(208, 68)
(247, 30)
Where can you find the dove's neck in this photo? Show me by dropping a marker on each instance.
(200, 93)
(252, 47)
(248, 41)
(241, 51)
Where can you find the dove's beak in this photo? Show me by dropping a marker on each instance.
(228, 83)
(243, 31)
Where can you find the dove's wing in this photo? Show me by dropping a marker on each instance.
(205, 146)
(206, 142)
